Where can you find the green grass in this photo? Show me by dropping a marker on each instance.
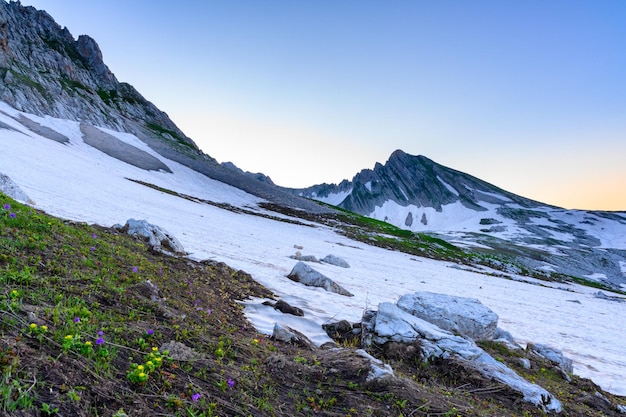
(83, 334)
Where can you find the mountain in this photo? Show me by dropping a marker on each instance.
(416, 193)
(44, 71)
(78, 275)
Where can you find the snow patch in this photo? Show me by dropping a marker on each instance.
(334, 199)
(448, 186)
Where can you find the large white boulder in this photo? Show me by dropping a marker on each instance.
(459, 315)
(158, 238)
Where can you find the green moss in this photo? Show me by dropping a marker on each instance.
(29, 82)
(163, 131)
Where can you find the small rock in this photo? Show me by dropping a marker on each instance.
(335, 260)
(525, 363)
(179, 351)
(286, 308)
(286, 334)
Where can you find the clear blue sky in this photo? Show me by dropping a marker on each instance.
(528, 95)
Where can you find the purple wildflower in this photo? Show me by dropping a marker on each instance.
(150, 332)
(134, 269)
(195, 397)
(7, 207)
(230, 382)
(92, 248)
(93, 235)
(12, 215)
(100, 340)
(76, 319)
(208, 311)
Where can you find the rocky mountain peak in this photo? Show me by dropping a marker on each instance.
(89, 50)
(409, 180)
(45, 71)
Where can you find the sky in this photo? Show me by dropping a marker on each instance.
(528, 95)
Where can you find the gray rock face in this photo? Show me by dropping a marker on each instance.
(43, 131)
(44, 71)
(465, 316)
(158, 238)
(120, 150)
(407, 179)
(306, 275)
(259, 176)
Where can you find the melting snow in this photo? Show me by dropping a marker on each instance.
(448, 186)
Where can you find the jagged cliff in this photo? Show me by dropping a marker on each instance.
(412, 180)
(45, 71)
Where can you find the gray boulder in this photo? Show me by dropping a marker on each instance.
(286, 334)
(465, 316)
(552, 354)
(159, 239)
(13, 190)
(305, 258)
(335, 260)
(306, 275)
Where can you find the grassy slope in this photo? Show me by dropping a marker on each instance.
(78, 322)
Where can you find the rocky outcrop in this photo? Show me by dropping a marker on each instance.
(286, 334)
(306, 275)
(392, 324)
(258, 176)
(285, 307)
(159, 239)
(121, 150)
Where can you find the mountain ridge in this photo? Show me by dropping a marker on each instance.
(44, 71)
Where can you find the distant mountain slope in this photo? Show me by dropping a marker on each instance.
(412, 180)
(416, 191)
(418, 194)
(44, 71)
